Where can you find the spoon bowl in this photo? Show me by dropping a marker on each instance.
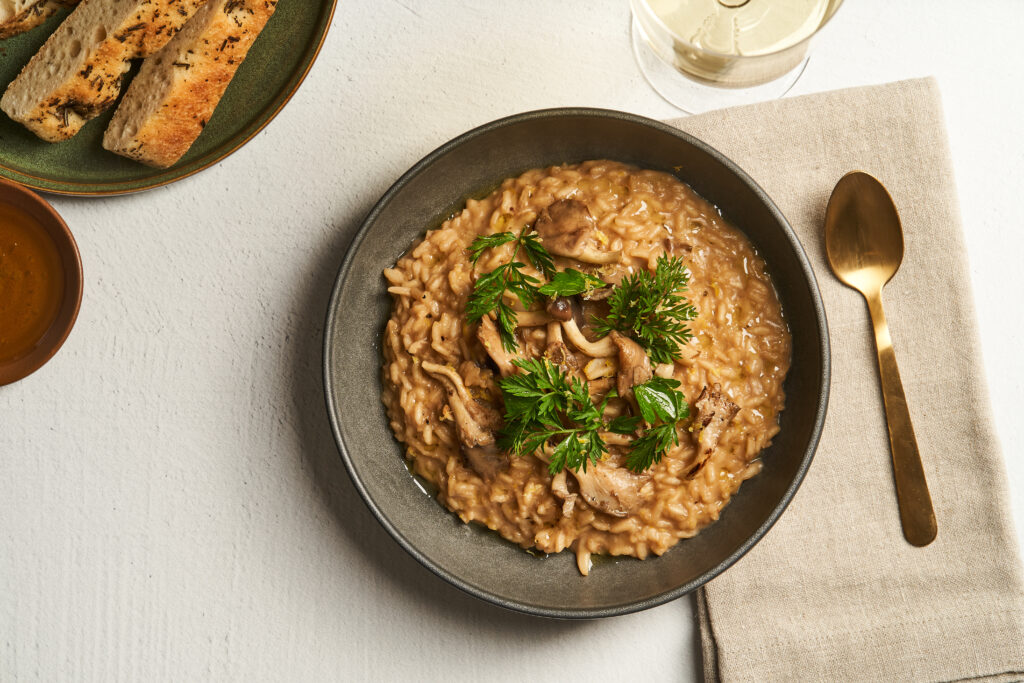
(864, 244)
(863, 235)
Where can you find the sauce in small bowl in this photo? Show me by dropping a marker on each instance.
(40, 282)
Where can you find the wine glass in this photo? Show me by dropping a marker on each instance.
(708, 54)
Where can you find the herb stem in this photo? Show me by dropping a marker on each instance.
(515, 252)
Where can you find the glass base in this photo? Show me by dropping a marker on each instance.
(695, 97)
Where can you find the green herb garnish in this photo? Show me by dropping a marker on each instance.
(543, 403)
(650, 310)
(489, 291)
(662, 406)
(485, 242)
(571, 282)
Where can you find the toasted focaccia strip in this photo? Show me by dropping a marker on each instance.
(77, 72)
(177, 89)
(18, 16)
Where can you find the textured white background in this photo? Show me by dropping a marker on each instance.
(171, 502)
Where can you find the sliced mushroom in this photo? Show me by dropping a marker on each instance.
(634, 365)
(602, 348)
(605, 487)
(568, 229)
(615, 439)
(475, 422)
(600, 387)
(485, 462)
(487, 334)
(560, 487)
(614, 490)
(714, 413)
(600, 367)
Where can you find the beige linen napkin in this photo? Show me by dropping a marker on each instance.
(833, 592)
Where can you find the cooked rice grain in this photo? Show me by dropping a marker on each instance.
(741, 342)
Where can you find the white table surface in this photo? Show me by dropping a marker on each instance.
(171, 502)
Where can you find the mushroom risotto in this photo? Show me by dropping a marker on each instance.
(589, 357)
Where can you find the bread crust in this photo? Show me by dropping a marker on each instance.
(32, 16)
(202, 68)
(95, 82)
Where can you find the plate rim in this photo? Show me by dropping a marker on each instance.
(168, 176)
(332, 320)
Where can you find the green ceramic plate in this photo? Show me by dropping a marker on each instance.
(270, 75)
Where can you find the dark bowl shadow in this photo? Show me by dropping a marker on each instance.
(360, 530)
(354, 520)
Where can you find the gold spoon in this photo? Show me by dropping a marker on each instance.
(864, 242)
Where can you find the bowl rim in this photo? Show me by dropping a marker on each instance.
(332, 319)
(24, 199)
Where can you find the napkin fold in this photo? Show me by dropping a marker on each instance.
(834, 592)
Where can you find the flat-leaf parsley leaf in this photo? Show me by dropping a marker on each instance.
(544, 404)
(662, 407)
(571, 282)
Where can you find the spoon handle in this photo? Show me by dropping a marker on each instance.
(916, 513)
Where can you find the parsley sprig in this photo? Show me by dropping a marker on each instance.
(489, 291)
(571, 282)
(651, 310)
(662, 406)
(542, 404)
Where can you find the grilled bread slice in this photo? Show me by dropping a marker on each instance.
(77, 72)
(18, 16)
(177, 89)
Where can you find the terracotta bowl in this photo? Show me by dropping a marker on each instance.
(469, 556)
(38, 208)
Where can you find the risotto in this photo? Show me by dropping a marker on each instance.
(446, 373)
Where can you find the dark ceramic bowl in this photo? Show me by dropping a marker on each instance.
(47, 217)
(469, 556)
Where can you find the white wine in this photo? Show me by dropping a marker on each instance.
(733, 43)
(735, 27)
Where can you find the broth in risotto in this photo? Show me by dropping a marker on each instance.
(590, 358)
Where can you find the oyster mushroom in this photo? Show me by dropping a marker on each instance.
(604, 486)
(567, 228)
(634, 365)
(476, 422)
(487, 334)
(601, 348)
(714, 413)
(613, 490)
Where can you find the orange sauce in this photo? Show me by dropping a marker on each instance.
(31, 283)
